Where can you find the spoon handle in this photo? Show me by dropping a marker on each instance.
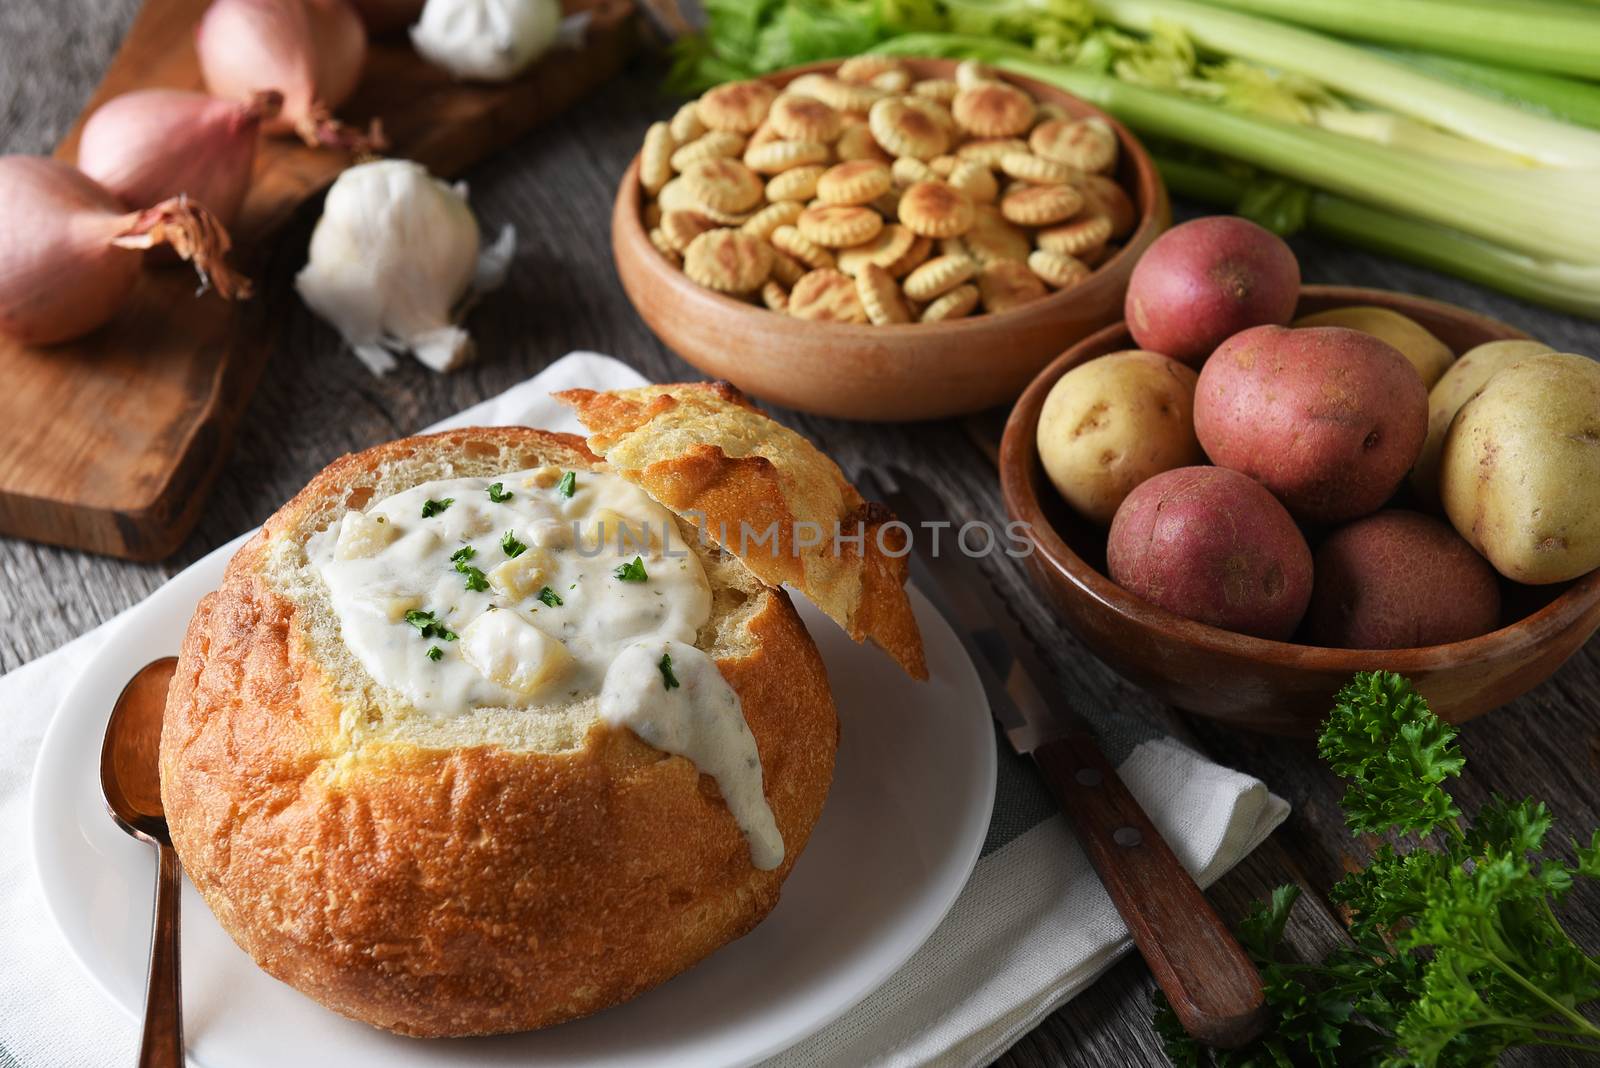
(162, 1043)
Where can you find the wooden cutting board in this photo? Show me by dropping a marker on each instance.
(112, 442)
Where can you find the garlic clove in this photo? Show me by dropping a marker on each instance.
(494, 263)
(444, 349)
(377, 359)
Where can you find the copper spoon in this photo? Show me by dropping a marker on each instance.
(131, 780)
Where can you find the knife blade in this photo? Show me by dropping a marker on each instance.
(955, 583)
(1213, 988)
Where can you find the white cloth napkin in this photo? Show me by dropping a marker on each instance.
(1032, 927)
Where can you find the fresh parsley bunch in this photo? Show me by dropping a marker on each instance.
(1457, 952)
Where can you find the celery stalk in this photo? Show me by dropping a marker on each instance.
(1541, 37)
(1565, 286)
(1548, 94)
(1398, 131)
(1363, 75)
(1545, 212)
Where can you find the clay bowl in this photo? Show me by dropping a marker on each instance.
(1279, 687)
(886, 373)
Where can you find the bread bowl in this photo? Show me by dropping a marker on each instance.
(481, 840)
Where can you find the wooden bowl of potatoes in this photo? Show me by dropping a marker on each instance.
(883, 238)
(1280, 687)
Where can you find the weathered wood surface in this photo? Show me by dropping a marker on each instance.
(316, 402)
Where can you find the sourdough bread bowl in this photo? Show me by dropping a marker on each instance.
(476, 840)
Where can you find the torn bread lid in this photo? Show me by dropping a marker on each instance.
(765, 494)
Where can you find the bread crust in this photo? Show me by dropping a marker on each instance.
(702, 448)
(476, 890)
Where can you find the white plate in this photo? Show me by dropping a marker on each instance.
(901, 831)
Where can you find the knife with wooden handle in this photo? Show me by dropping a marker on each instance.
(1212, 985)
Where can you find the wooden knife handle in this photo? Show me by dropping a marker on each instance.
(1212, 985)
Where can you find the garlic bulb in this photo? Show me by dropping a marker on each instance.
(394, 259)
(486, 40)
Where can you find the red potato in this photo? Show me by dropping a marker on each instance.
(1204, 281)
(1398, 580)
(1214, 546)
(1328, 419)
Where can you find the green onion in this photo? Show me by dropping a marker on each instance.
(1554, 38)
(1363, 75)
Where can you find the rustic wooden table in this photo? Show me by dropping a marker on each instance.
(317, 402)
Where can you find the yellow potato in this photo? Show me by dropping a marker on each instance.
(1430, 356)
(1520, 476)
(1465, 377)
(1111, 423)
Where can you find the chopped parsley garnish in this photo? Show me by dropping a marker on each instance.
(633, 571)
(429, 626)
(568, 484)
(669, 681)
(476, 582)
(498, 494)
(435, 653)
(551, 597)
(431, 508)
(513, 548)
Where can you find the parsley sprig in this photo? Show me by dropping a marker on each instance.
(568, 484)
(511, 546)
(431, 507)
(1456, 949)
(632, 571)
(669, 681)
(551, 598)
(497, 493)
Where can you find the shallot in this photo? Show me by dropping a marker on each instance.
(71, 250)
(154, 144)
(311, 51)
